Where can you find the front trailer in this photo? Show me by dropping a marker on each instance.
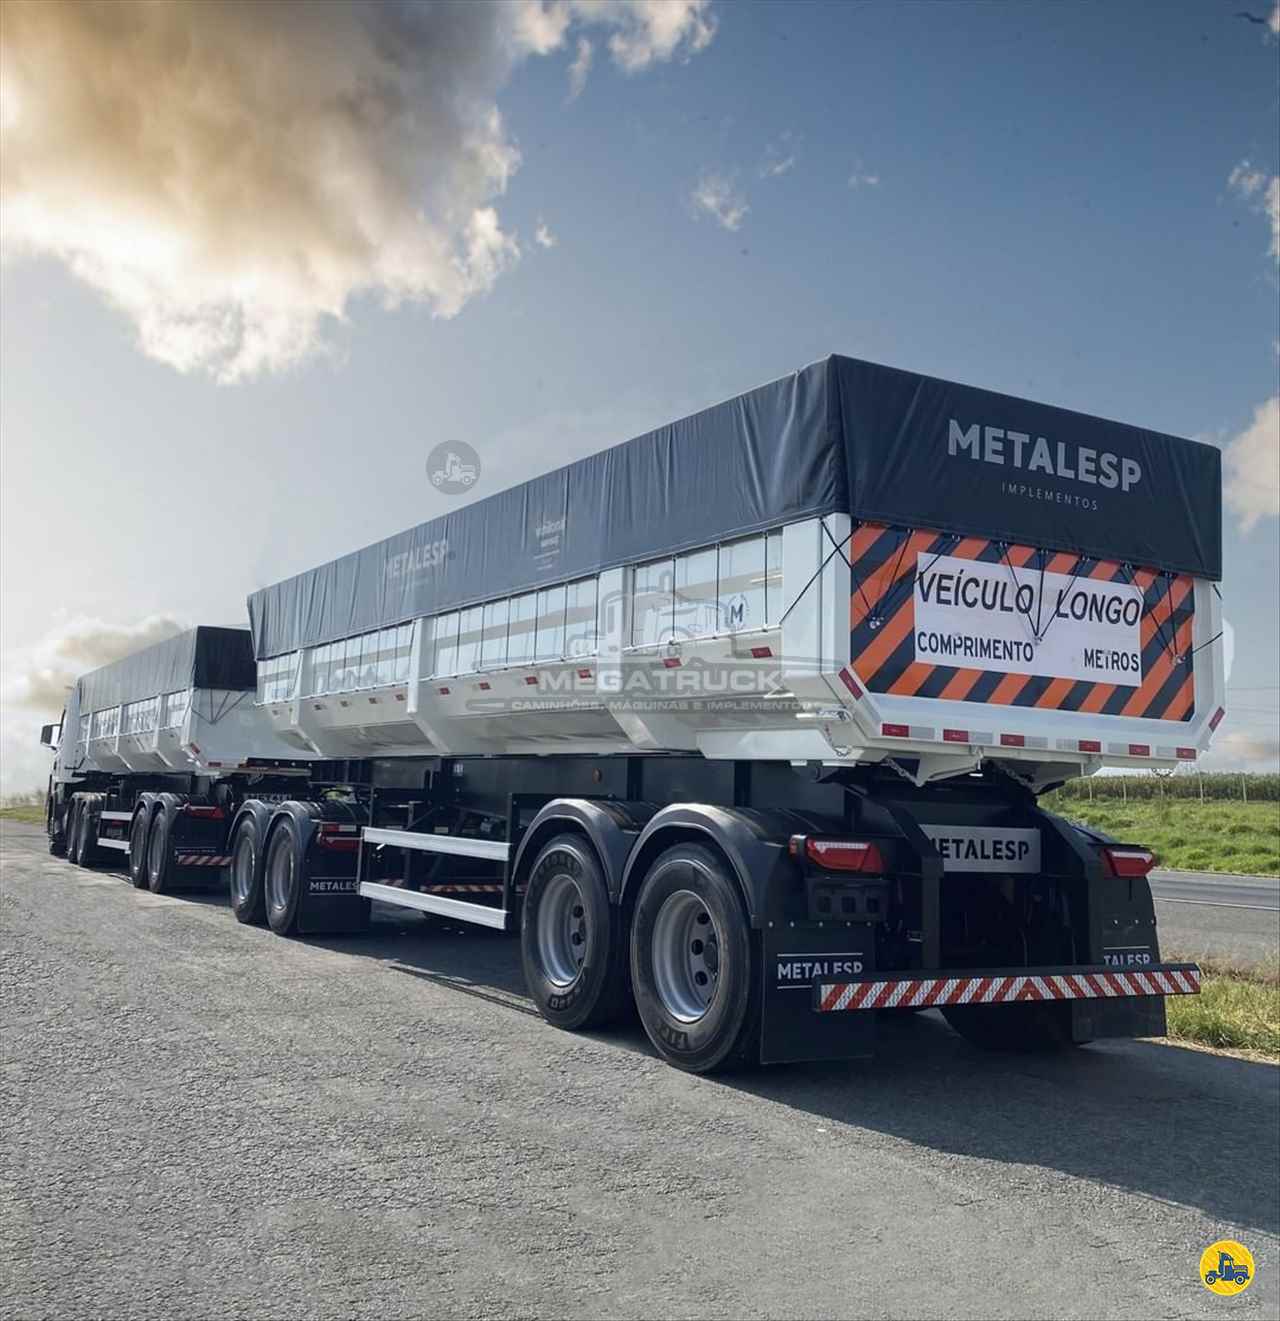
(753, 911)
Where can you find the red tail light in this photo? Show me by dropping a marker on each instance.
(335, 835)
(839, 854)
(205, 813)
(1128, 863)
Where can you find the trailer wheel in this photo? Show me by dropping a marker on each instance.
(159, 854)
(1022, 1029)
(139, 831)
(571, 942)
(248, 901)
(691, 962)
(283, 878)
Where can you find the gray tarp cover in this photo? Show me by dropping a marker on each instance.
(840, 435)
(201, 657)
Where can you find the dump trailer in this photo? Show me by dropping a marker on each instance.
(745, 721)
(155, 752)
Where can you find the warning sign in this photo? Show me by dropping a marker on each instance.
(989, 616)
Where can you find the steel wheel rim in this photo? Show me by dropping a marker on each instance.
(686, 956)
(280, 876)
(242, 868)
(563, 933)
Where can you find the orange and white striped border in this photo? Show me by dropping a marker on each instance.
(917, 993)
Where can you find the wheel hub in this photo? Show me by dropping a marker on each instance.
(564, 935)
(686, 956)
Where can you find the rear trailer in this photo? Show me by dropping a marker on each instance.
(153, 753)
(745, 720)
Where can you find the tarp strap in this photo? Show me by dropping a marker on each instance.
(1081, 561)
(817, 574)
(1004, 555)
(1203, 645)
(1166, 643)
(225, 707)
(853, 573)
(891, 590)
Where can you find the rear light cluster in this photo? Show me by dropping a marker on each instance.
(335, 835)
(204, 813)
(849, 855)
(1127, 863)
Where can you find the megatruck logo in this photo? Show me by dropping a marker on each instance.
(1017, 449)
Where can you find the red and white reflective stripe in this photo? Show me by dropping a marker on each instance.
(922, 992)
(201, 860)
(462, 889)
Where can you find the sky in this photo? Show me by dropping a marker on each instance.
(259, 260)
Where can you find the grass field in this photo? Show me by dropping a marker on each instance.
(23, 807)
(1209, 836)
(1238, 1008)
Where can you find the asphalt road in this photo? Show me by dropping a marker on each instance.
(1212, 915)
(202, 1120)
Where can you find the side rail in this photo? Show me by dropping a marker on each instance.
(438, 892)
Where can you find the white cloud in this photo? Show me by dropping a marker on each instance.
(580, 67)
(652, 30)
(1263, 191)
(717, 195)
(543, 235)
(34, 683)
(860, 180)
(1252, 462)
(779, 157)
(1273, 23)
(1244, 749)
(231, 176)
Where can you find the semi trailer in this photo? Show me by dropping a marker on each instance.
(743, 722)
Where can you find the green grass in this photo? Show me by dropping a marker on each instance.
(1246, 786)
(1210, 836)
(1238, 1008)
(24, 807)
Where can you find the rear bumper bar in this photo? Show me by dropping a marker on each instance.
(1028, 984)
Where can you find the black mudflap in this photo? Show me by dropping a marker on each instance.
(331, 906)
(1132, 1016)
(795, 957)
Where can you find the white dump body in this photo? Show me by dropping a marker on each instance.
(803, 645)
(204, 732)
(149, 712)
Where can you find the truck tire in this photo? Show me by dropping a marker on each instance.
(139, 836)
(1021, 1029)
(571, 939)
(90, 853)
(245, 875)
(693, 974)
(284, 877)
(77, 847)
(57, 839)
(159, 852)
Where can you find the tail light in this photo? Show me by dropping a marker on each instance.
(1128, 863)
(204, 813)
(839, 854)
(335, 835)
